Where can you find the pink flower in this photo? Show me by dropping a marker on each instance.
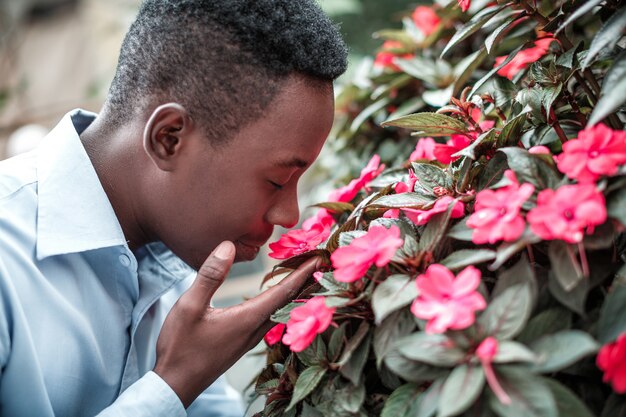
(445, 301)
(348, 192)
(420, 217)
(485, 352)
(539, 150)
(307, 321)
(567, 212)
(274, 335)
(497, 212)
(314, 231)
(384, 58)
(443, 153)
(524, 58)
(377, 247)
(426, 19)
(612, 360)
(597, 151)
(408, 186)
(465, 4)
(425, 149)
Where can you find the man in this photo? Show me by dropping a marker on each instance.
(216, 109)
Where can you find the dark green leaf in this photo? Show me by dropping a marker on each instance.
(433, 349)
(351, 397)
(485, 142)
(392, 294)
(397, 325)
(282, 314)
(547, 322)
(498, 32)
(353, 368)
(411, 370)
(613, 88)
(404, 200)
(465, 69)
(464, 257)
(478, 84)
(435, 230)
(567, 403)
(477, 22)
(460, 231)
(530, 397)
(511, 131)
(509, 351)
(612, 320)
(566, 268)
(402, 402)
(586, 6)
(562, 349)
(548, 95)
(336, 342)
(429, 124)
(354, 342)
(616, 202)
(574, 299)
(615, 406)
(336, 207)
(430, 176)
(520, 273)
(607, 36)
(531, 168)
(461, 389)
(507, 314)
(307, 381)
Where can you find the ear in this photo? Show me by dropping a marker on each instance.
(165, 134)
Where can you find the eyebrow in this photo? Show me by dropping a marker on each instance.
(294, 162)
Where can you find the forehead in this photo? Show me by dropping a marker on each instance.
(292, 129)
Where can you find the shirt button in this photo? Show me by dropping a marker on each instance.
(125, 260)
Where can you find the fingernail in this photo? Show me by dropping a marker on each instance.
(223, 250)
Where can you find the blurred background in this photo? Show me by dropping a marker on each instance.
(57, 55)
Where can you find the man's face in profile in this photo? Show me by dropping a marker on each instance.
(240, 190)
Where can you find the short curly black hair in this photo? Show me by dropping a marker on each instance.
(224, 60)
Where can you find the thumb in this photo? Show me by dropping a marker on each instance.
(212, 274)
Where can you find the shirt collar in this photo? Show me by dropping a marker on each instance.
(74, 212)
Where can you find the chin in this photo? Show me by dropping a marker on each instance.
(245, 252)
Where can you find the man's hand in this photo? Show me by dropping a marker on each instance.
(198, 343)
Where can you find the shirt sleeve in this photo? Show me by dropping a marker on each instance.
(219, 400)
(150, 396)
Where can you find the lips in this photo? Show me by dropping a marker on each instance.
(246, 251)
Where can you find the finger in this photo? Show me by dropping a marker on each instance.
(266, 303)
(211, 274)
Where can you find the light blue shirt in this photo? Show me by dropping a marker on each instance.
(79, 312)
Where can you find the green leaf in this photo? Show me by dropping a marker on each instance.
(353, 368)
(461, 389)
(531, 168)
(498, 32)
(566, 268)
(607, 36)
(562, 349)
(430, 176)
(509, 351)
(507, 249)
(466, 67)
(511, 131)
(547, 322)
(613, 87)
(616, 202)
(354, 342)
(392, 294)
(336, 342)
(404, 200)
(485, 142)
(402, 402)
(435, 230)
(429, 124)
(612, 320)
(395, 326)
(337, 207)
(615, 406)
(368, 112)
(432, 349)
(307, 381)
(411, 370)
(548, 95)
(507, 314)
(351, 397)
(574, 299)
(530, 396)
(567, 403)
(478, 84)
(585, 7)
(477, 22)
(282, 314)
(465, 257)
(460, 231)
(346, 238)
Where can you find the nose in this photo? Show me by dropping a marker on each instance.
(285, 212)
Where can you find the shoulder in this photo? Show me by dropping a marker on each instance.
(17, 174)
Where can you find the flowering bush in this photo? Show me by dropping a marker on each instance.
(482, 273)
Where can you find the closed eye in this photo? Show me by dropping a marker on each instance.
(276, 185)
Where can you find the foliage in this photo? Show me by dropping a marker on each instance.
(509, 276)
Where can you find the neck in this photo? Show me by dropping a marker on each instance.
(113, 156)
